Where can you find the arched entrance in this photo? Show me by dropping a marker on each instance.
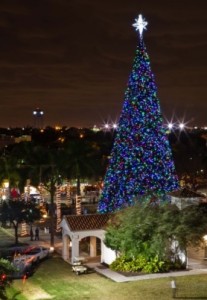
(82, 244)
(90, 248)
(83, 235)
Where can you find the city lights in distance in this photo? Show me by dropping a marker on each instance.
(170, 126)
(108, 126)
(179, 125)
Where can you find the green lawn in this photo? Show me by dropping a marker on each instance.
(54, 279)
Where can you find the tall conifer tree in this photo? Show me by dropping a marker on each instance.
(141, 160)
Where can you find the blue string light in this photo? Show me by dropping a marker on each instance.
(141, 160)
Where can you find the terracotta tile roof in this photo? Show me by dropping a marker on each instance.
(87, 222)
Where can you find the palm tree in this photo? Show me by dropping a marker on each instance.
(8, 169)
(81, 160)
(41, 165)
(17, 212)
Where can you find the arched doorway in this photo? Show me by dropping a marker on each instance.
(90, 248)
(85, 234)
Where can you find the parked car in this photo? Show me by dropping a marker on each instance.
(36, 253)
(23, 267)
(23, 264)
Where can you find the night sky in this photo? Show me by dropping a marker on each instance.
(72, 58)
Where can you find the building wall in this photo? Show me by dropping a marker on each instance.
(197, 253)
(107, 255)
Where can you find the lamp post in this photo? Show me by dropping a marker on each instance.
(5, 189)
(205, 249)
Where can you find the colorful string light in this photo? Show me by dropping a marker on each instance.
(141, 160)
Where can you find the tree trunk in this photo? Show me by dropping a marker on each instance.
(52, 233)
(52, 219)
(78, 186)
(68, 195)
(16, 233)
(58, 209)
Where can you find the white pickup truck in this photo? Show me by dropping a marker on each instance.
(35, 253)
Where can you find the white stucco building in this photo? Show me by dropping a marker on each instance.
(83, 235)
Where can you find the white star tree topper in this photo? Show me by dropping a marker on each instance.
(140, 24)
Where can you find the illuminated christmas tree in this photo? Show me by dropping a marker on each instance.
(141, 161)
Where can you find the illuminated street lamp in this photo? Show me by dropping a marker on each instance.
(205, 238)
(5, 189)
(181, 126)
(170, 126)
(6, 184)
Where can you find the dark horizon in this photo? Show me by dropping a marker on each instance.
(72, 59)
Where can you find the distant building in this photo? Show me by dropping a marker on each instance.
(6, 140)
(23, 138)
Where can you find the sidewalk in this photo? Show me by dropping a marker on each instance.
(121, 278)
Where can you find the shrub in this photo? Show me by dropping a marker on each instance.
(141, 264)
(128, 264)
(154, 265)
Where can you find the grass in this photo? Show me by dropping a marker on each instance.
(55, 280)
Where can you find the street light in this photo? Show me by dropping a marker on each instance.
(5, 189)
(170, 125)
(6, 184)
(181, 126)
